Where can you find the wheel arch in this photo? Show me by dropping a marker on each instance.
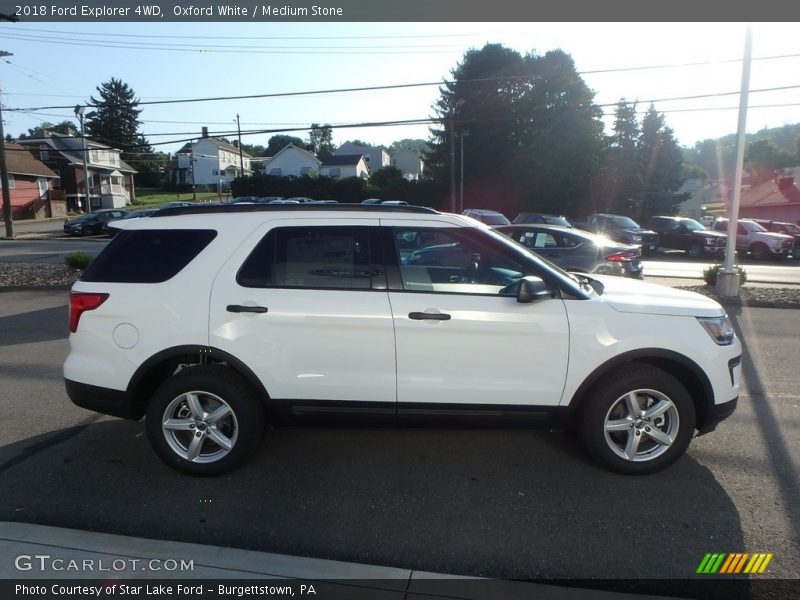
(159, 367)
(679, 366)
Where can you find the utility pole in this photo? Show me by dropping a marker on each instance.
(79, 110)
(241, 156)
(4, 169)
(461, 202)
(191, 166)
(452, 165)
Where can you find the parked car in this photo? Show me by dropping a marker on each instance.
(755, 239)
(529, 217)
(212, 320)
(301, 199)
(623, 229)
(575, 250)
(785, 228)
(245, 200)
(681, 233)
(176, 203)
(93, 223)
(111, 228)
(490, 217)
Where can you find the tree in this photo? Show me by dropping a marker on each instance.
(115, 120)
(64, 127)
(661, 167)
(320, 138)
(416, 145)
(643, 167)
(534, 134)
(763, 158)
(279, 142)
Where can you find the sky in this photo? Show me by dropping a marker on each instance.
(61, 64)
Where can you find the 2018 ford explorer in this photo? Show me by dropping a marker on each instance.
(212, 321)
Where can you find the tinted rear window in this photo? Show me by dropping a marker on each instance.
(150, 256)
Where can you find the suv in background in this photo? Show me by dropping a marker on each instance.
(755, 239)
(682, 233)
(623, 229)
(525, 218)
(490, 217)
(214, 320)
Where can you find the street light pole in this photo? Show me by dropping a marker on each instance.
(452, 165)
(79, 110)
(728, 279)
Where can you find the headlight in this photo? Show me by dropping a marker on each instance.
(719, 328)
(709, 240)
(636, 238)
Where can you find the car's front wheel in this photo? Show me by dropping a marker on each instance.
(638, 420)
(695, 251)
(205, 420)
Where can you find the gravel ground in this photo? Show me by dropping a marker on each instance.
(31, 276)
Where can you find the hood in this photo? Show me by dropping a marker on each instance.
(638, 231)
(709, 233)
(775, 236)
(633, 296)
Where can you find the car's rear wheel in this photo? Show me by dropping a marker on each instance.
(638, 420)
(205, 420)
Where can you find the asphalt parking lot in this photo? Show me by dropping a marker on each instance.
(496, 503)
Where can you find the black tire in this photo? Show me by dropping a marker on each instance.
(759, 251)
(608, 397)
(213, 386)
(695, 251)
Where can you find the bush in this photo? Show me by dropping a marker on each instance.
(78, 260)
(710, 274)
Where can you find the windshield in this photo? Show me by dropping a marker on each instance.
(494, 219)
(624, 222)
(693, 225)
(752, 226)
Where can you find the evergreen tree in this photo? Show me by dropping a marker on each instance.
(115, 119)
(661, 168)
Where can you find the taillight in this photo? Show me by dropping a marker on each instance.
(80, 302)
(623, 256)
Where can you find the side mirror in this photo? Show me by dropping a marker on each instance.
(532, 289)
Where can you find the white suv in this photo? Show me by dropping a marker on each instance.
(214, 320)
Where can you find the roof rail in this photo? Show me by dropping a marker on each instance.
(202, 209)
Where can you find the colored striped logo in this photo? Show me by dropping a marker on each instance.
(737, 562)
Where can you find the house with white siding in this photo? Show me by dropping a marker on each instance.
(344, 165)
(291, 160)
(409, 162)
(209, 163)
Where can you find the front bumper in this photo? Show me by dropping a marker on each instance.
(717, 414)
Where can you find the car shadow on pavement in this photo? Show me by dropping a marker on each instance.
(515, 504)
(782, 457)
(42, 325)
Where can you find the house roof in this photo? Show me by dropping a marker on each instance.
(288, 147)
(779, 191)
(343, 160)
(187, 148)
(71, 148)
(20, 161)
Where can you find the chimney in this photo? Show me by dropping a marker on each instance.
(205, 132)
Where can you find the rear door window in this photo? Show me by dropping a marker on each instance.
(148, 256)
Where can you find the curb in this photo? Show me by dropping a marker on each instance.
(345, 579)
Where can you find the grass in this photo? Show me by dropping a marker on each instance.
(154, 197)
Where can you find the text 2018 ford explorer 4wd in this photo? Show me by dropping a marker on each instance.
(213, 321)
